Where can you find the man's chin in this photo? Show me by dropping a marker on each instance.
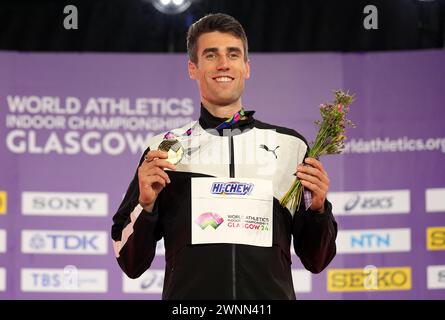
(226, 101)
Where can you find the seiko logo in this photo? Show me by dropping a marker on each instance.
(68, 242)
(58, 280)
(374, 240)
(438, 239)
(151, 281)
(368, 203)
(435, 238)
(58, 203)
(3, 202)
(397, 278)
(371, 202)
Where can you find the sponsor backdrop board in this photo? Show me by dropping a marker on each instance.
(73, 126)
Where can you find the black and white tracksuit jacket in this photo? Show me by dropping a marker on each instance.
(225, 271)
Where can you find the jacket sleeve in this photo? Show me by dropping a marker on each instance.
(314, 237)
(135, 232)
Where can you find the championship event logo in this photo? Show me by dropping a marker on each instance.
(209, 219)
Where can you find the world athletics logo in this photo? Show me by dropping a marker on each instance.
(232, 188)
(209, 219)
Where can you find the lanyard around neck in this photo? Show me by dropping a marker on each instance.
(223, 125)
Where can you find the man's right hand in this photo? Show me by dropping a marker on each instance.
(153, 178)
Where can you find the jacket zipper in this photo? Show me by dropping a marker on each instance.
(232, 175)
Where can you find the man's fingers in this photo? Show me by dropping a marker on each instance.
(150, 180)
(311, 186)
(313, 180)
(158, 171)
(314, 162)
(322, 175)
(148, 165)
(155, 154)
(163, 164)
(155, 171)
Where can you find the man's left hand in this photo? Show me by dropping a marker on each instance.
(316, 180)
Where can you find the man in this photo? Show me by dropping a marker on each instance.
(225, 238)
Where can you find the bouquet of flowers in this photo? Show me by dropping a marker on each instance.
(330, 140)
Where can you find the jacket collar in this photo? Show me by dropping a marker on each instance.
(209, 121)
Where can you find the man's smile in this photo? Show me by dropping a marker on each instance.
(223, 78)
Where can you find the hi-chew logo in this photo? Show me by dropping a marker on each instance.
(231, 188)
(209, 219)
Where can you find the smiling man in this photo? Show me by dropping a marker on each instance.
(225, 234)
(218, 63)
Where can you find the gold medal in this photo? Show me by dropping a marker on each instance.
(174, 149)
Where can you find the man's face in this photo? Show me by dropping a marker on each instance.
(221, 69)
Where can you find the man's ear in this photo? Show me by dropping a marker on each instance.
(192, 70)
(247, 69)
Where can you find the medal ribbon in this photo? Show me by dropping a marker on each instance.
(232, 120)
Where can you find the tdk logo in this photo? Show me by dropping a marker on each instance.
(64, 242)
(232, 188)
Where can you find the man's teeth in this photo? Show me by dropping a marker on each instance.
(223, 79)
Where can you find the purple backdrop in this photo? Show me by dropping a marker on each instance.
(390, 193)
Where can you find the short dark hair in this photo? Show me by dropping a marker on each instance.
(214, 22)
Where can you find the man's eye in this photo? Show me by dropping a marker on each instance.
(210, 56)
(234, 55)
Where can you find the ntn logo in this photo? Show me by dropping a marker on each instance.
(370, 240)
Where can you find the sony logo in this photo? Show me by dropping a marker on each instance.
(66, 204)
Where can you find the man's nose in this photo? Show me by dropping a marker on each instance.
(223, 63)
